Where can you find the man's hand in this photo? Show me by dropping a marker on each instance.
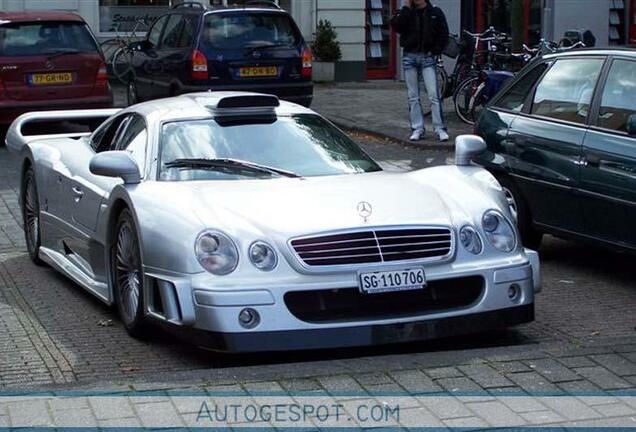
(408, 3)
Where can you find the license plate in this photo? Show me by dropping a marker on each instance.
(395, 280)
(51, 78)
(264, 71)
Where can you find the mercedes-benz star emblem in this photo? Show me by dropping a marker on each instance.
(364, 210)
(48, 65)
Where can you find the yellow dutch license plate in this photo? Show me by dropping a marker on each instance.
(260, 71)
(51, 78)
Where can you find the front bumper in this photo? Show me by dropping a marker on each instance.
(208, 316)
(366, 335)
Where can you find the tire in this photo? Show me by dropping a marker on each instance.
(132, 97)
(121, 65)
(127, 276)
(464, 99)
(530, 237)
(31, 216)
(442, 82)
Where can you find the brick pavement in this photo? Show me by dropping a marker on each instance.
(55, 336)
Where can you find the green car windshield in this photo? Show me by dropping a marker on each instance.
(231, 149)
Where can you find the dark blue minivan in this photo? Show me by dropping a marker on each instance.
(256, 47)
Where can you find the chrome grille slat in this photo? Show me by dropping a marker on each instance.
(374, 246)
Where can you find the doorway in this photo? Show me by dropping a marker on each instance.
(381, 42)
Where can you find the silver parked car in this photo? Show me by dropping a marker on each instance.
(249, 224)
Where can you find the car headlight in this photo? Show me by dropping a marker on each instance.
(499, 231)
(263, 256)
(469, 238)
(216, 252)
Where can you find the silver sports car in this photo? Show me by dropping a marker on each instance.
(249, 224)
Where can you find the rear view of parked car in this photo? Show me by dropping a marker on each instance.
(256, 48)
(49, 60)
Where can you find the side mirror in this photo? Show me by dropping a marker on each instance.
(631, 125)
(115, 164)
(467, 147)
(143, 45)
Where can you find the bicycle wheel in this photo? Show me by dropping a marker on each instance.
(464, 99)
(109, 47)
(442, 81)
(121, 65)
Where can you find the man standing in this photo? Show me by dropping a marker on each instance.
(423, 36)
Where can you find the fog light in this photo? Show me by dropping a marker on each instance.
(514, 293)
(248, 318)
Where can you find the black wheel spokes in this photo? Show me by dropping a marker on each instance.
(127, 273)
(31, 214)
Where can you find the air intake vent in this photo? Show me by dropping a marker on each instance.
(374, 246)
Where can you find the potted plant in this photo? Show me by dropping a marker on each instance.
(326, 50)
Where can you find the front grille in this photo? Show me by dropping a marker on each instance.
(374, 246)
(349, 304)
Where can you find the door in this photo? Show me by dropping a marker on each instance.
(145, 61)
(608, 172)
(85, 194)
(545, 142)
(381, 46)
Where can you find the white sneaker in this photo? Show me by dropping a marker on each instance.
(443, 136)
(416, 135)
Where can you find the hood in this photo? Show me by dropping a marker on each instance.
(286, 208)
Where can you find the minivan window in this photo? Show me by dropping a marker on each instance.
(515, 97)
(619, 96)
(44, 38)
(238, 31)
(155, 32)
(566, 90)
(172, 32)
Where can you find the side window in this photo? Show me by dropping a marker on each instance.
(187, 31)
(566, 90)
(172, 32)
(155, 32)
(515, 97)
(133, 140)
(104, 136)
(619, 96)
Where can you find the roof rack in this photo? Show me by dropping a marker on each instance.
(265, 3)
(189, 4)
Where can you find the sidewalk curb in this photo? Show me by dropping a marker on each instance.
(404, 142)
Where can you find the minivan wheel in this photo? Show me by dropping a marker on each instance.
(131, 93)
(530, 237)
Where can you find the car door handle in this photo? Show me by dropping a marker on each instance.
(592, 161)
(78, 193)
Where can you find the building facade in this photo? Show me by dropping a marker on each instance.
(369, 47)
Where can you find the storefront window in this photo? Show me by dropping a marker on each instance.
(504, 14)
(122, 15)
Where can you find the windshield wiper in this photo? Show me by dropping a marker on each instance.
(229, 163)
(61, 53)
(251, 49)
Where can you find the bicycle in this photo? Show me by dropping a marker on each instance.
(118, 54)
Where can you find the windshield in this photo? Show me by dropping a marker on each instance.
(305, 145)
(44, 38)
(245, 30)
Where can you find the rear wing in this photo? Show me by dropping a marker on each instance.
(16, 139)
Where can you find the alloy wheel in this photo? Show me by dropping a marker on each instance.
(31, 213)
(127, 274)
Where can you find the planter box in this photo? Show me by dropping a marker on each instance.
(324, 72)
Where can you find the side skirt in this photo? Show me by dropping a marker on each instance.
(62, 264)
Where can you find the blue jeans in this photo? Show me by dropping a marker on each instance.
(419, 66)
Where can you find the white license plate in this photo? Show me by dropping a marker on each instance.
(394, 280)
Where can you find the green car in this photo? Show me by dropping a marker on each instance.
(562, 142)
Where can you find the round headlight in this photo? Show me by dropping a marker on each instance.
(499, 231)
(216, 252)
(263, 256)
(469, 238)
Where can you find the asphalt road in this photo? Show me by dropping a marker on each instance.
(52, 332)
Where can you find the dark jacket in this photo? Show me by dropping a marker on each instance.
(421, 30)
